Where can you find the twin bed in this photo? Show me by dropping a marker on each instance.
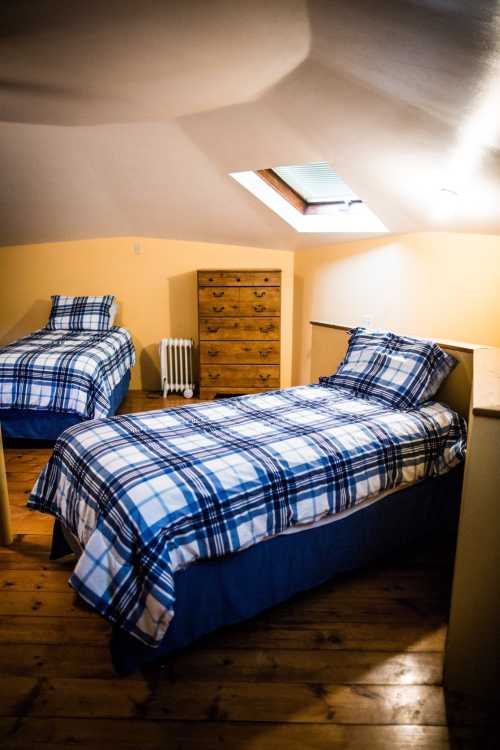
(75, 369)
(189, 519)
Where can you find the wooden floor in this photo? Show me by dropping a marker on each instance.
(354, 664)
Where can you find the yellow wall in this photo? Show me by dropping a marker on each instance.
(156, 289)
(439, 285)
(428, 284)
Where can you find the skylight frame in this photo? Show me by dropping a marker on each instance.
(336, 220)
(289, 193)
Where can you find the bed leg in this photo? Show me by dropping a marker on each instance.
(5, 525)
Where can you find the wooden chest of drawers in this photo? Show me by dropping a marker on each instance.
(239, 331)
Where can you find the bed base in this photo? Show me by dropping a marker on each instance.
(34, 424)
(216, 593)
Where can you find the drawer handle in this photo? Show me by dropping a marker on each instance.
(217, 294)
(259, 308)
(265, 352)
(212, 352)
(267, 329)
(213, 329)
(260, 294)
(214, 375)
(210, 279)
(217, 309)
(265, 377)
(266, 279)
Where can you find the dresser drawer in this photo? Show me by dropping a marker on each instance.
(240, 375)
(239, 278)
(218, 300)
(239, 329)
(235, 352)
(209, 393)
(260, 300)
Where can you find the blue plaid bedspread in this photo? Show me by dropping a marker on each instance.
(149, 494)
(70, 372)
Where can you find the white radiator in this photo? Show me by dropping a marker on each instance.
(176, 359)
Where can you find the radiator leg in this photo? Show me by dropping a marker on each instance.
(170, 371)
(188, 393)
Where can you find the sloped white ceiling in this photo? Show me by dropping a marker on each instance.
(125, 117)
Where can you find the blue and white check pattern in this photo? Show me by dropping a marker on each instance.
(149, 494)
(80, 313)
(70, 372)
(399, 371)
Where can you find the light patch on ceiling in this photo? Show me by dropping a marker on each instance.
(445, 204)
(349, 215)
(463, 184)
(480, 131)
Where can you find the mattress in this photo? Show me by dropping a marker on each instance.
(348, 511)
(69, 543)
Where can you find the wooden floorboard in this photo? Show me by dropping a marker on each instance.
(226, 665)
(354, 664)
(131, 734)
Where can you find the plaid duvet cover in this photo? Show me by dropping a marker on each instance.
(64, 371)
(149, 494)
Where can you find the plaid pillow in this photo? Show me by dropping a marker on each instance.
(80, 313)
(400, 371)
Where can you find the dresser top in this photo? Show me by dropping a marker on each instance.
(239, 270)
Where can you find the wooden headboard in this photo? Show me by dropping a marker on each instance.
(470, 665)
(329, 343)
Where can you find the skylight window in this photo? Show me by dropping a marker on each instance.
(311, 198)
(316, 183)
